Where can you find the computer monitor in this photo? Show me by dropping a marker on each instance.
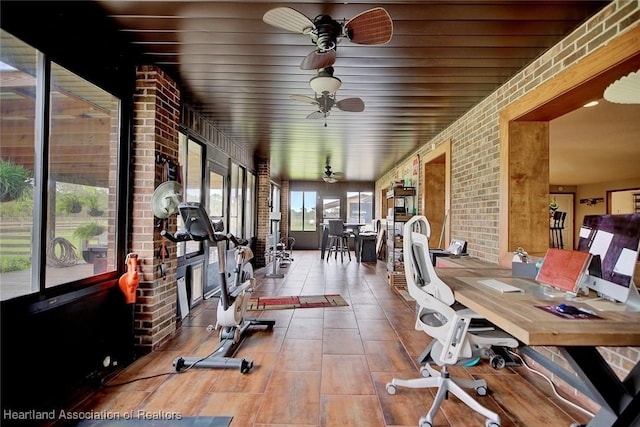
(614, 241)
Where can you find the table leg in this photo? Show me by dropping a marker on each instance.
(323, 244)
(619, 400)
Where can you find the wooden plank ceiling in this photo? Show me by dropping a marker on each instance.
(444, 57)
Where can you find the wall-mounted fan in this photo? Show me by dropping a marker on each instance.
(166, 198)
(329, 176)
(370, 27)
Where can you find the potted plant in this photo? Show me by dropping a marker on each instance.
(70, 203)
(14, 181)
(553, 206)
(85, 233)
(93, 203)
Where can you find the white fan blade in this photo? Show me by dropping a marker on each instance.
(303, 98)
(354, 105)
(317, 115)
(288, 19)
(373, 26)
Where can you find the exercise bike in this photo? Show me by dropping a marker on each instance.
(234, 293)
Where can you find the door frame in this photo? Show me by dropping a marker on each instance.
(522, 219)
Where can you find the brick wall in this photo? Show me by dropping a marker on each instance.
(264, 225)
(284, 202)
(475, 156)
(156, 119)
(475, 162)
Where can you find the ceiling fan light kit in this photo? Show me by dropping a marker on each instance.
(329, 176)
(322, 84)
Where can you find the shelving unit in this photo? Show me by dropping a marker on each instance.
(400, 208)
(636, 202)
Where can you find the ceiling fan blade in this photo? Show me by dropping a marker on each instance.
(303, 98)
(317, 60)
(354, 105)
(373, 26)
(317, 115)
(288, 19)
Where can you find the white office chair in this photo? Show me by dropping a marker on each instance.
(454, 343)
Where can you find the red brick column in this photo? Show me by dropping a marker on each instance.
(156, 120)
(264, 192)
(284, 208)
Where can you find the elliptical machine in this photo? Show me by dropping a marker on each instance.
(234, 294)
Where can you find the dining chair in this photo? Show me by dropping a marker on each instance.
(337, 239)
(557, 228)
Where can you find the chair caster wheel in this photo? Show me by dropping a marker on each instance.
(425, 372)
(482, 391)
(391, 388)
(491, 423)
(497, 362)
(424, 423)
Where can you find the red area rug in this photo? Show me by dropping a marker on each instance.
(302, 301)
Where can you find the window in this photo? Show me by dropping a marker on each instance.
(236, 200)
(250, 208)
(190, 159)
(303, 211)
(330, 208)
(216, 195)
(359, 207)
(67, 217)
(17, 165)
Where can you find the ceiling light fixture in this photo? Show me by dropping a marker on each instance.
(590, 104)
(329, 179)
(325, 84)
(625, 90)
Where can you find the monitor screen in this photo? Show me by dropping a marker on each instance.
(613, 240)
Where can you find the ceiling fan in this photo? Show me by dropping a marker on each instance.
(373, 26)
(329, 176)
(325, 97)
(326, 102)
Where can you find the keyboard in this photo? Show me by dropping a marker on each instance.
(499, 286)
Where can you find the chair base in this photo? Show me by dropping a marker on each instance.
(447, 384)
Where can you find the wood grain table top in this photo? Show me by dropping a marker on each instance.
(519, 315)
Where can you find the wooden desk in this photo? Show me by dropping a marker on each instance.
(576, 339)
(464, 262)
